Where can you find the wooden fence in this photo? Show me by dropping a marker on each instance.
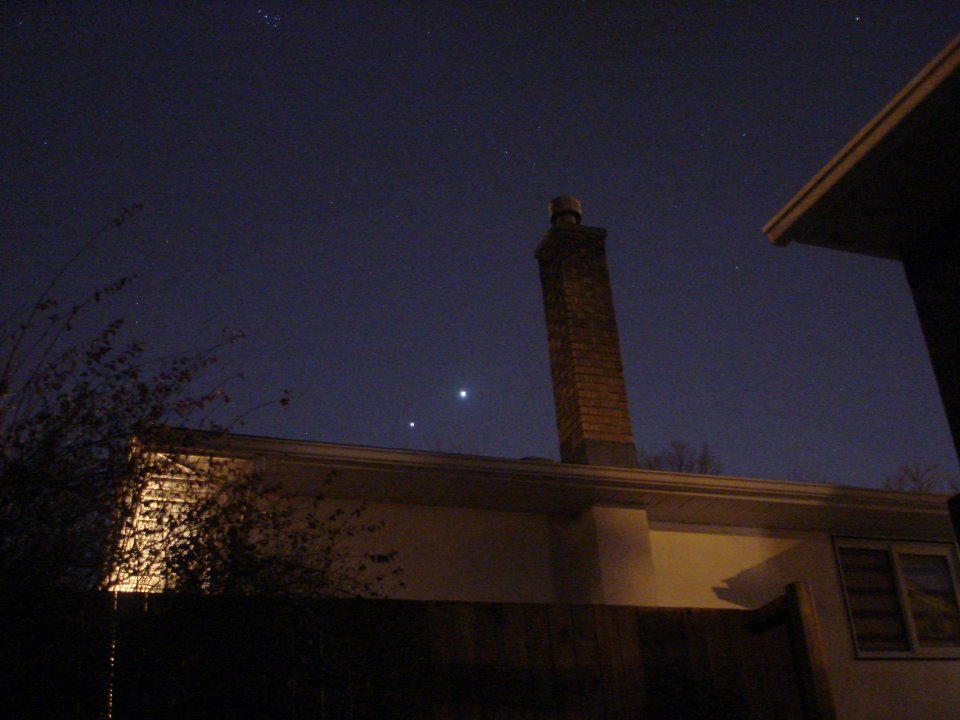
(177, 657)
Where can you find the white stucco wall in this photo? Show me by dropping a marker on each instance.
(465, 554)
(601, 556)
(728, 567)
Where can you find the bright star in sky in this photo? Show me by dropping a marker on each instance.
(463, 394)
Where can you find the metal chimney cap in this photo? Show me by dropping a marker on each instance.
(565, 210)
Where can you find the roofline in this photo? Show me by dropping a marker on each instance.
(864, 142)
(550, 472)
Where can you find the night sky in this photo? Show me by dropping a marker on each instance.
(360, 188)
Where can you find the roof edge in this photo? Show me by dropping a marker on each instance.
(343, 456)
(864, 142)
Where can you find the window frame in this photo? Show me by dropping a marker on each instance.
(894, 550)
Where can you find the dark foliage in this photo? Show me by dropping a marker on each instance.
(84, 505)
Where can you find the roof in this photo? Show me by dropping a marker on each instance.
(895, 181)
(546, 486)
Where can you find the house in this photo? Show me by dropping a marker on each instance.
(595, 529)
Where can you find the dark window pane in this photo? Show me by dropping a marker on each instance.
(933, 604)
(872, 599)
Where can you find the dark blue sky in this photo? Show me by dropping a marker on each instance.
(360, 188)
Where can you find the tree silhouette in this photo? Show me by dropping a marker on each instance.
(681, 457)
(86, 502)
(924, 477)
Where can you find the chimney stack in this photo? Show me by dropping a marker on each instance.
(589, 392)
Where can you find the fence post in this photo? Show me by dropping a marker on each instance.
(808, 655)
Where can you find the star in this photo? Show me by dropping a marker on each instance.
(463, 394)
(269, 19)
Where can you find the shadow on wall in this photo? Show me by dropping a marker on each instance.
(765, 581)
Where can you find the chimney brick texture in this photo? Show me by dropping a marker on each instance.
(593, 417)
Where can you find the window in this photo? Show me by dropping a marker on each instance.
(901, 597)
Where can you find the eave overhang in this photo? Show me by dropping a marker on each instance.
(895, 182)
(545, 486)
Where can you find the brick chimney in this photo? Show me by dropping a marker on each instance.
(589, 392)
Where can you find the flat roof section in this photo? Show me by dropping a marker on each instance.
(896, 181)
